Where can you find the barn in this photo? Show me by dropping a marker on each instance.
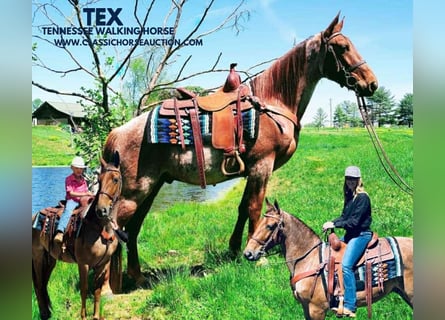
(54, 113)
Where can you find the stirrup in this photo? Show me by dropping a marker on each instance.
(240, 163)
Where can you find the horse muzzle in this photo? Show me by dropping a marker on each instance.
(252, 255)
(365, 89)
(103, 213)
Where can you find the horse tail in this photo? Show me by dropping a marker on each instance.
(42, 266)
(116, 270)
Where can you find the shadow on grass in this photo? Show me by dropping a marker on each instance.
(212, 259)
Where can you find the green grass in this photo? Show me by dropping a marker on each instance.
(185, 248)
(51, 146)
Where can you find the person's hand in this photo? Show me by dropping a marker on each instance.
(328, 225)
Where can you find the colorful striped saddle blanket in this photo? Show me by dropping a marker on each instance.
(164, 129)
(385, 261)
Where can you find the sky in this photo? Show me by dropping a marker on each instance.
(382, 31)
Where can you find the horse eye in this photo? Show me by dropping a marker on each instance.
(271, 227)
(344, 48)
(115, 180)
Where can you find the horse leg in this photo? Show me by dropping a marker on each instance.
(313, 312)
(42, 266)
(115, 283)
(251, 202)
(133, 227)
(101, 275)
(83, 277)
(105, 284)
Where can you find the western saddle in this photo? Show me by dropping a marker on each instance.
(377, 251)
(226, 106)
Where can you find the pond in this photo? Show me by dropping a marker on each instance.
(48, 188)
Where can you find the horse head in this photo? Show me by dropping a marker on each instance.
(110, 186)
(267, 233)
(343, 63)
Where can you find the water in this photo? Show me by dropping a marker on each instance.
(48, 187)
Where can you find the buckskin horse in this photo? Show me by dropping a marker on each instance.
(279, 96)
(308, 259)
(91, 246)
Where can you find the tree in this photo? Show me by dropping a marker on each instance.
(405, 110)
(382, 106)
(340, 117)
(36, 103)
(320, 118)
(350, 113)
(107, 66)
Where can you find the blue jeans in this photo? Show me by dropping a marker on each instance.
(356, 247)
(65, 217)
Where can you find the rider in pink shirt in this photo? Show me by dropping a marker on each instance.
(76, 187)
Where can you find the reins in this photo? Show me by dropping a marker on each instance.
(383, 157)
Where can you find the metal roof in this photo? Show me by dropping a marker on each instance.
(68, 108)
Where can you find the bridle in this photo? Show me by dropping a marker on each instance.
(273, 234)
(351, 82)
(114, 197)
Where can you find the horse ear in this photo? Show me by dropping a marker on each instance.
(277, 206)
(330, 29)
(339, 25)
(102, 162)
(116, 159)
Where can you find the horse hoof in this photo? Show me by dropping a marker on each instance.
(142, 282)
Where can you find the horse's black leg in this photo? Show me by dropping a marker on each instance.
(251, 202)
(133, 227)
(115, 282)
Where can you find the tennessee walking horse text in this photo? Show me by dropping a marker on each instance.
(88, 241)
(263, 119)
(387, 265)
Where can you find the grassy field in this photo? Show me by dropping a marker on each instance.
(184, 249)
(51, 146)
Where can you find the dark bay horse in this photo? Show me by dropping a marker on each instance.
(93, 247)
(302, 249)
(284, 89)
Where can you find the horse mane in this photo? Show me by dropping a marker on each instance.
(282, 79)
(91, 208)
(301, 226)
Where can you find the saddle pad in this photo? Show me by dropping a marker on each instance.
(391, 268)
(164, 129)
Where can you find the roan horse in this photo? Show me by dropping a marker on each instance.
(303, 253)
(92, 247)
(283, 90)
